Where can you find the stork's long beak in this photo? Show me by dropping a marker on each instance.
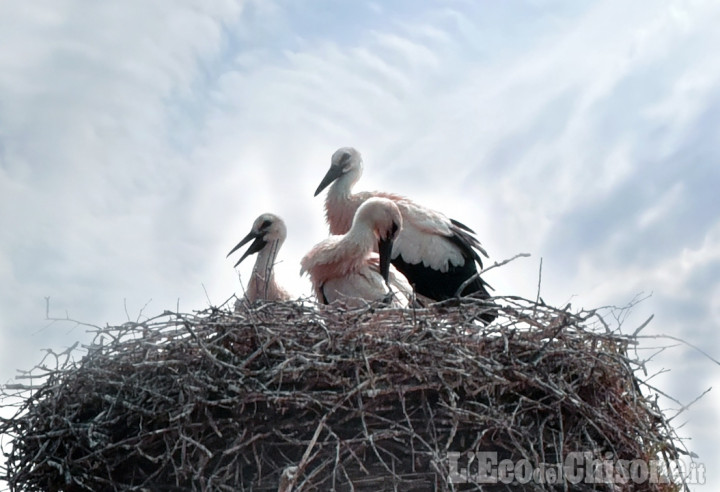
(385, 253)
(333, 173)
(256, 246)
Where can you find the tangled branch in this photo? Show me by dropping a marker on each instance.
(286, 396)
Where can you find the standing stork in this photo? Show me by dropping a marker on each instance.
(436, 254)
(269, 233)
(345, 268)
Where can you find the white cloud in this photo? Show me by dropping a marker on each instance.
(87, 96)
(662, 207)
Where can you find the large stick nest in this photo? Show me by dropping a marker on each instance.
(287, 396)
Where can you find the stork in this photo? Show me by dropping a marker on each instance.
(345, 268)
(269, 233)
(436, 254)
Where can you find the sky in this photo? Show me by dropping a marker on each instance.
(139, 140)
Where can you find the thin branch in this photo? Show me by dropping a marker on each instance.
(476, 276)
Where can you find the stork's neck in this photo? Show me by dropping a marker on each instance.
(341, 204)
(263, 277)
(359, 241)
(342, 187)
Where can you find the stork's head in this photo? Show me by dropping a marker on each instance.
(345, 167)
(383, 217)
(268, 228)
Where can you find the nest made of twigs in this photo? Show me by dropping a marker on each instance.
(288, 396)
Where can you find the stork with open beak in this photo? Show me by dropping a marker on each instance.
(346, 269)
(269, 233)
(436, 254)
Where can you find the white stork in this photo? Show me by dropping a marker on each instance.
(345, 268)
(269, 233)
(435, 253)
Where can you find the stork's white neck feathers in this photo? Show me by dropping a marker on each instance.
(262, 283)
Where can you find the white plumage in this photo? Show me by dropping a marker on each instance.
(269, 233)
(435, 253)
(345, 268)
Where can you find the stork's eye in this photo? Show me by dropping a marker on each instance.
(265, 224)
(395, 228)
(344, 159)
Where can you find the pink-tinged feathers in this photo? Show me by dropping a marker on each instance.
(425, 238)
(439, 256)
(339, 212)
(344, 267)
(334, 258)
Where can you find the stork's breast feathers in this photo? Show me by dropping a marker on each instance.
(360, 286)
(327, 261)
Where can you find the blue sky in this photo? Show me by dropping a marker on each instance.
(138, 141)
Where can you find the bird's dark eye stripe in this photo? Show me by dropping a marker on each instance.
(345, 157)
(265, 224)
